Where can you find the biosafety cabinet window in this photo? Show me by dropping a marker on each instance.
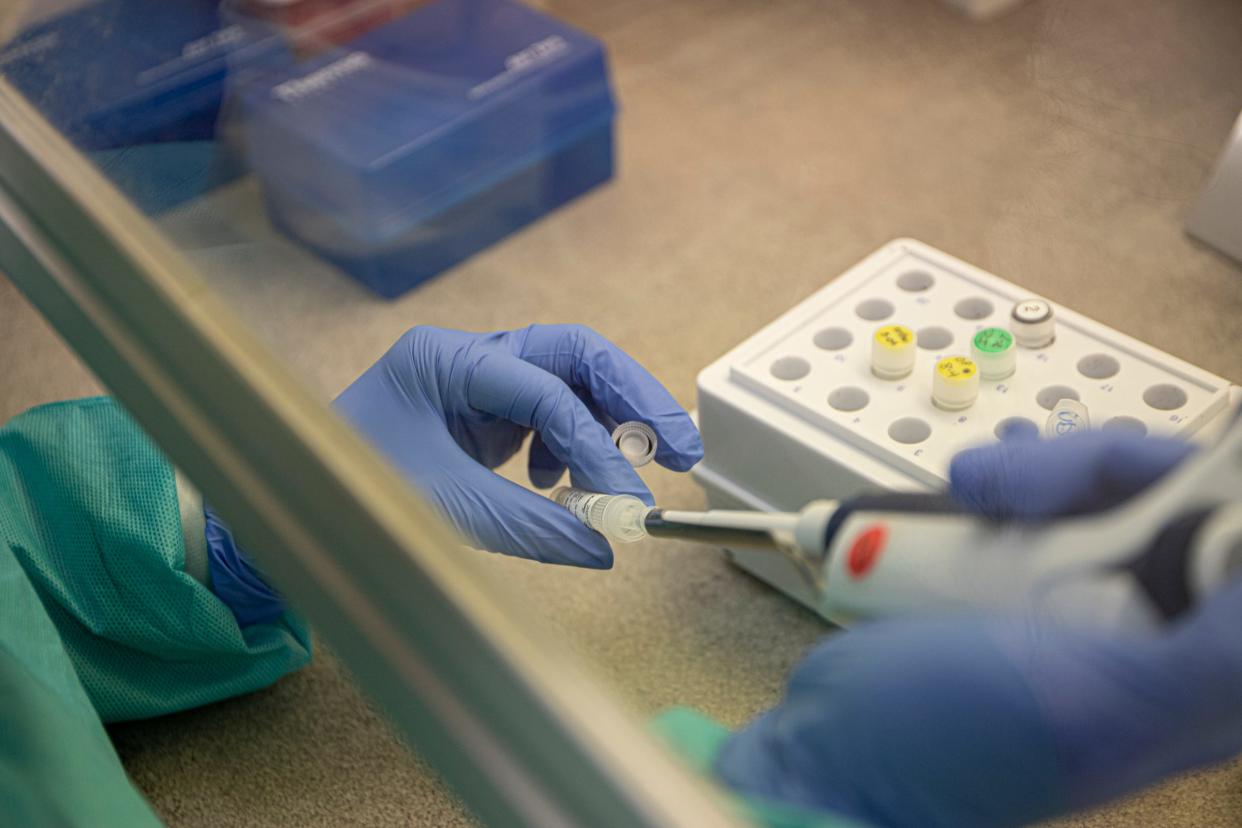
(805, 396)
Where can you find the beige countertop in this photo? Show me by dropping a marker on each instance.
(764, 147)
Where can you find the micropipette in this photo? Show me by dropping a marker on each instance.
(1140, 565)
(626, 519)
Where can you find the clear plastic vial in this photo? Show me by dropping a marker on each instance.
(993, 350)
(617, 517)
(1034, 323)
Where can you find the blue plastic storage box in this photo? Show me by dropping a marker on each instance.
(115, 73)
(417, 144)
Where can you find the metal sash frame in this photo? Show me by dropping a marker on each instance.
(502, 712)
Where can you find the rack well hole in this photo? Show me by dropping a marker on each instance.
(873, 310)
(973, 307)
(849, 398)
(915, 280)
(1164, 397)
(1016, 428)
(934, 338)
(1053, 394)
(1098, 366)
(790, 368)
(909, 430)
(833, 339)
(1128, 425)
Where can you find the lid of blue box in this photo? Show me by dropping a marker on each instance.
(114, 72)
(425, 110)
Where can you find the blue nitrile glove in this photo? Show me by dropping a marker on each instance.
(1003, 720)
(235, 580)
(446, 407)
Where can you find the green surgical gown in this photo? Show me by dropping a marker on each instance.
(105, 612)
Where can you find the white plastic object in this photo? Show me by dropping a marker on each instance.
(1034, 322)
(922, 565)
(775, 444)
(617, 517)
(955, 383)
(893, 352)
(883, 563)
(801, 533)
(1067, 417)
(636, 441)
(994, 350)
(1214, 216)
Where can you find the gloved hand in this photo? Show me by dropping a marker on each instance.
(1003, 720)
(445, 407)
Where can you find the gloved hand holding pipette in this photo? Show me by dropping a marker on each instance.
(1001, 719)
(884, 555)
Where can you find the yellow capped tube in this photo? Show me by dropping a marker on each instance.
(955, 383)
(893, 349)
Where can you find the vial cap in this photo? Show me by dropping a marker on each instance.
(993, 351)
(636, 441)
(955, 383)
(893, 351)
(1068, 416)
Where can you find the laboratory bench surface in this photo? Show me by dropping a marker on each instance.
(763, 149)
